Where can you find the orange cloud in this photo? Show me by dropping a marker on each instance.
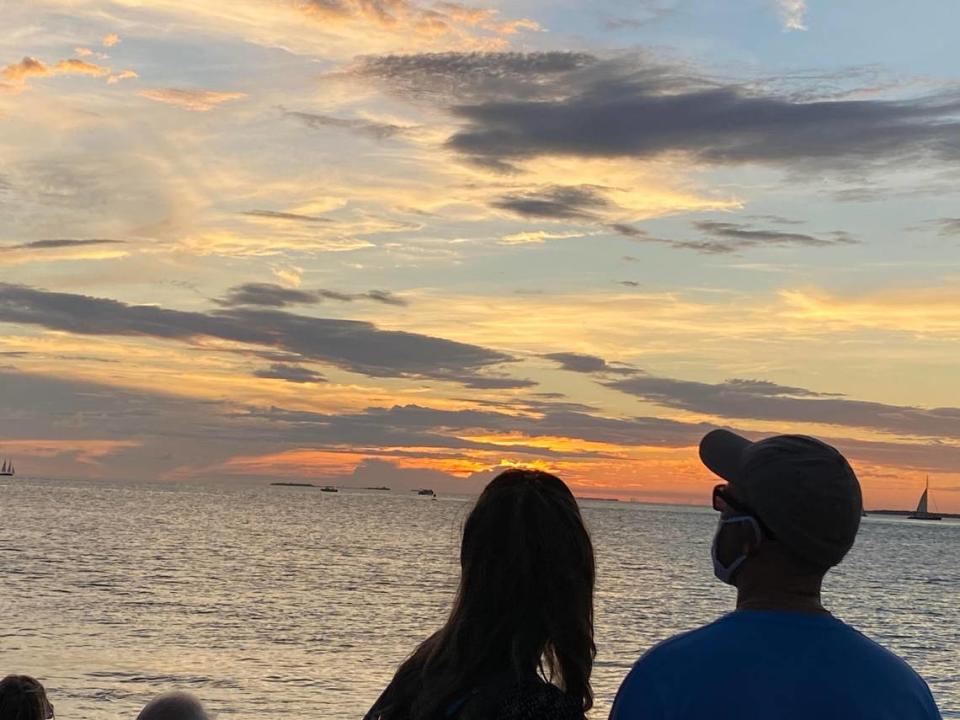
(84, 451)
(75, 66)
(17, 74)
(125, 75)
(194, 100)
(439, 20)
(110, 39)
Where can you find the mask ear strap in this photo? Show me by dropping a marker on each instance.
(757, 532)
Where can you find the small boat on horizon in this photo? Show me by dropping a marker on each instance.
(427, 492)
(7, 470)
(329, 488)
(922, 513)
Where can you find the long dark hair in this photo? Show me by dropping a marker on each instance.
(524, 606)
(23, 698)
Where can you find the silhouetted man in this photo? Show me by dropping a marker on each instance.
(173, 706)
(789, 511)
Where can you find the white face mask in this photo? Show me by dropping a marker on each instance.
(723, 572)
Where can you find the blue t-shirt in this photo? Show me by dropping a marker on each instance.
(775, 666)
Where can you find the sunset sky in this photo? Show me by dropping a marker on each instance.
(409, 243)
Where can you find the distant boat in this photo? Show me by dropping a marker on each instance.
(329, 488)
(921, 512)
(427, 492)
(7, 469)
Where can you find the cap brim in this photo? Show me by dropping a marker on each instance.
(722, 451)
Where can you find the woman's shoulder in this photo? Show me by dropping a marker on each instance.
(533, 700)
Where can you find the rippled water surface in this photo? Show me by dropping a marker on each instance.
(286, 601)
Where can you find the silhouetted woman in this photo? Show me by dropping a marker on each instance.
(23, 698)
(518, 643)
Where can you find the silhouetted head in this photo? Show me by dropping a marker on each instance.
(23, 698)
(791, 505)
(173, 706)
(524, 605)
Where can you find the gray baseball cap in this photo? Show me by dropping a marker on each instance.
(802, 489)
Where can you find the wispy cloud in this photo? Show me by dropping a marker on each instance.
(358, 126)
(793, 14)
(285, 216)
(62, 249)
(194, 100)
(290, 373)
(947, 226)
(555, 203)
(124, 75)
(272, 295)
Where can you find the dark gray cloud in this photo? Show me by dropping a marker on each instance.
(578, 362)
(365, 128)
(579, 202)
(708, 247)
(776, 219)
(737, 236)
(452, 76)
(290, 373)
(727, 237)
(266, 295)
(273, 295)
(59, 243)
(516, 106)
(293, 217)
(383, 296)
(347, 344)
(760, 400)
(583, 363)
(493, 382)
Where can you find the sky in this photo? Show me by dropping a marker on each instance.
(412, 243)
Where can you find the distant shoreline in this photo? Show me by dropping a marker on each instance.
(312, 485)
(906, 513)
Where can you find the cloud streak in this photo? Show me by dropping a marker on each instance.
(193, 100)
(273, 295)
(760, 400)
(555, 203)
(357, 126)
(350, 345)
(290, 373)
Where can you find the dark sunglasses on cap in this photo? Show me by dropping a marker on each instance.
(723, 501)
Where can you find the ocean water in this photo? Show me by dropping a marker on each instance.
(282, 601)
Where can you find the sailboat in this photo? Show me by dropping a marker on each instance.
(921, 512)
(7, 469)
